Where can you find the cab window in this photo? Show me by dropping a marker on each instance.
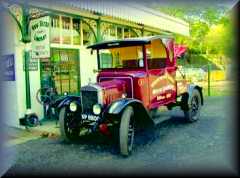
(156, 54)
(123, 57)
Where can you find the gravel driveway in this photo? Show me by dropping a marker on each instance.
(205, 146)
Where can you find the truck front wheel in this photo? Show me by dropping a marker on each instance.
(69, 125)
(192, 114)
(126, 131)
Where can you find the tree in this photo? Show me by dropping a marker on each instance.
(220, 38)
(204, 25)
(214, 40)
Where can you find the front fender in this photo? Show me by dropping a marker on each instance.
(142, 116)
(65, 101)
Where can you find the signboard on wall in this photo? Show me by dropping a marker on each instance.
(40, 31)
(8, 67)
(32, 65)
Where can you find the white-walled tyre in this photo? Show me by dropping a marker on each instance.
(69, 127)
(127, 131)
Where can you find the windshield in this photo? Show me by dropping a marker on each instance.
(123, 57)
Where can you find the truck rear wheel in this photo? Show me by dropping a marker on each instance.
(192, 114)
(69, 127)
(126, 131)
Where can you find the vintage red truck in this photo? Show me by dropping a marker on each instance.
(135, 77)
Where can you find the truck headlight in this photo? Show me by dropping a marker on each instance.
(73, 106)
(124, 95)
(97, 109)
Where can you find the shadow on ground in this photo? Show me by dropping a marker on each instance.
(93, 142)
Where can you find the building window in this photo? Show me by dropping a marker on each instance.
(112, 32)
(76, 32)
(61, 71)
(126, 33)
(119, 33)
(133, 34)
(66, 30)
(109, 32)
(55, 29)
(88, 36)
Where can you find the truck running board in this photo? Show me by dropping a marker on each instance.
(161, 116)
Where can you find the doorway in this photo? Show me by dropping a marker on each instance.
(62, 71)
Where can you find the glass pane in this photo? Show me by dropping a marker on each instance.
(113, 31)
(109, 33)
(66, 30)
(76, 32)
(55, 56)
(73, 71)
(106, 60)
(126, 33)
(63, 70)
(88, 36)
(132, 34)
(119, 32)
(124, 57)
(55, 29)
(56, 59)
(156, 55)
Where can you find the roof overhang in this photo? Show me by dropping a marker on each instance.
(123, 11)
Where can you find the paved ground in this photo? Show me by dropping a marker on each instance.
(205, 146)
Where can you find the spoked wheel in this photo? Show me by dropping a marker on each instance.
(69, 125)
(127, 131)
(193, 113)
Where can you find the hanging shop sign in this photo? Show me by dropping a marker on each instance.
(8, 67)
(40, 31)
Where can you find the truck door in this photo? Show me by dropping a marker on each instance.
(161, 80)
(170, 71)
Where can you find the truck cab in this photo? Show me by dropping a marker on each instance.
(135, 77)
(146, 65)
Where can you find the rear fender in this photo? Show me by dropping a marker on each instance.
(191, 87)
(186, 96)
(142, 116)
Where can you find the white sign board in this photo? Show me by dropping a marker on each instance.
(40, 31)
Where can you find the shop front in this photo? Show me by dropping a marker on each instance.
(74, 25)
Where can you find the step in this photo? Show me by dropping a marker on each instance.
(161, 117)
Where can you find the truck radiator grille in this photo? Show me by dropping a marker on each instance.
(89, 98)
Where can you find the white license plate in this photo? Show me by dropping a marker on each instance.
(89, 117)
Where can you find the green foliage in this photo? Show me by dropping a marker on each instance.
(211, 28)
(197, 60)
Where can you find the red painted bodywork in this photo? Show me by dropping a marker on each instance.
(112, 89)
(154, 87)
